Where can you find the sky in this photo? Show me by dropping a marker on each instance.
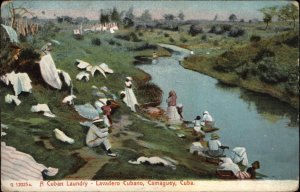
(192, 9)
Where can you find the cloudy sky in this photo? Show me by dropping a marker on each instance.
(191, 9)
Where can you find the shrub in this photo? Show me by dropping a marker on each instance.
(195, 29)
(262, 54)
(167, 35)
(204, 37)
(216, 43)
(217, 29)
(236, 32)
(96, 41)
(140, 34)
(183, 39)
(171, 40)
(78, 37)
(255, 38)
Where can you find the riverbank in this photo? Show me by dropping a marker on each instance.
(269, 66)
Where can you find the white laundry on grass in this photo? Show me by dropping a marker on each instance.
(69, 99)
(83, 75)
(19, 166)
(97, 68)
(20, 81)
(12, 98)
(62, 136)
(105, 68)
(12, 34)
(42, 108)
(87, 111)
(3, 126)
(66, 76)
(49, 72)
(153, 161)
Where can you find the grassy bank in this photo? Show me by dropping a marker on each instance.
(32, 133)
(268, 66)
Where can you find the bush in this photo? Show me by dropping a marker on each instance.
(140, 34)
(183, 39)
(236, 32)
(255, 38)
(78, 37)
(129, 37)
(204, 37)
(171, 40)
(262, 54)
(167, 35)
(217, 29)
(195, 29)
(96, 41)
(216, 43)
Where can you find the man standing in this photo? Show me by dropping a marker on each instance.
(97, 135)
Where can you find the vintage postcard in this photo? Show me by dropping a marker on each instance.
(149, 95)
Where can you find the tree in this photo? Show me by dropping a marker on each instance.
(216, 17)
(181, 16)
(269, 13)
(104, 16)
(169, 17)
(115, 15)
(289, 12)
(128, 20)
(146, 16)
(232, 18)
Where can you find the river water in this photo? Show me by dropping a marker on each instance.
(265, 126)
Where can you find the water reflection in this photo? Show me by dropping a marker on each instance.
(268, 107)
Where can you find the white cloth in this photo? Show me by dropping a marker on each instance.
(97, 68)
(16, 165)
(153, 161)
(62, 136)
(239, 155)
(11, 98)
(69, 99)
(44, 108)
(173, 116)
(197, 147)
(13, 36)
(130, 98)
(66, 76)
(214, 145)
(229, 167)
(4, 79)
(111, 30)
(97, 136)
(198, 130)
(105, 68)
(49, 72)
(82, 64)
(87, 111)
(83, 74)
(197, 123)
(106, 121)
(20, 81)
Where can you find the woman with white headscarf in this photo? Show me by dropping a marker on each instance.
(207, 119)
(172, 112)
(130, 98)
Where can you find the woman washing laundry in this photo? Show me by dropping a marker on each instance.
(207, 119)
(173, 116)
(130, 98)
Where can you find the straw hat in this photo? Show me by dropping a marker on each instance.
(214, 136)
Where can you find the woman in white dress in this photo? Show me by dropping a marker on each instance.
(172, 112)
(130, 98)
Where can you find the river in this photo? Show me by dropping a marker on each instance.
(265, 126)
